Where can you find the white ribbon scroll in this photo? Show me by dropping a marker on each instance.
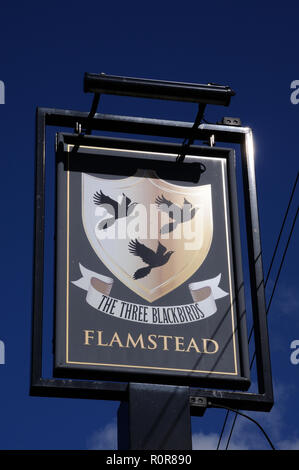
(204, 295)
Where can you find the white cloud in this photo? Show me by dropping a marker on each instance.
(201, 441)
(104, 439)
(289, 444)
(244, 437)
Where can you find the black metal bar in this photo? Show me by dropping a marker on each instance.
(158, 89)
(92, 113)
(188, 142)
(238, 268)
(256, 273)
(118, 391)
(134, 144)
(239, 400)
(135, 125)
(68, 388)
(38, 268)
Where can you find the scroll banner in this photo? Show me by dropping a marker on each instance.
(204, 294)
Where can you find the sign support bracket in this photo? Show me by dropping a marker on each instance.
(190, 141)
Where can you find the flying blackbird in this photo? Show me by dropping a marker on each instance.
(115, 209)
(176, 213)
(153, 258)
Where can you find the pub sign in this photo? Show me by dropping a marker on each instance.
(148, 266)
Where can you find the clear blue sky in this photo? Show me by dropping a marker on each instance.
(45, 49)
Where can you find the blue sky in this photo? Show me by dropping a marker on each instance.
(45, 50)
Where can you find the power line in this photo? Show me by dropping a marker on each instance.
(231, 431)
(272, 294)
(282, 227)
(283, 257)
(279, 270)
(269, 304)
(222, 430)
(277, 242)
(248, 417)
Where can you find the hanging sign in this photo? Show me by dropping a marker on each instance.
(146, 281)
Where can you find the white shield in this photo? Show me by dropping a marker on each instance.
(151, 234)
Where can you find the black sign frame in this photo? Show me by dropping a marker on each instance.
(129, 153)
(40, 386)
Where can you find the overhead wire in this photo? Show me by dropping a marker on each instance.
(251, 419)
(271, 297)
(267, 311)
(279, 269)
(282, 227)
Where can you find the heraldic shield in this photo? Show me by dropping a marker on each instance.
(151, 234)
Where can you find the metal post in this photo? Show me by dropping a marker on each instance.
(156, 417)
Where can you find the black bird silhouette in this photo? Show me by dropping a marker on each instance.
(176, 213)
(115, 209)
(153, 258)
